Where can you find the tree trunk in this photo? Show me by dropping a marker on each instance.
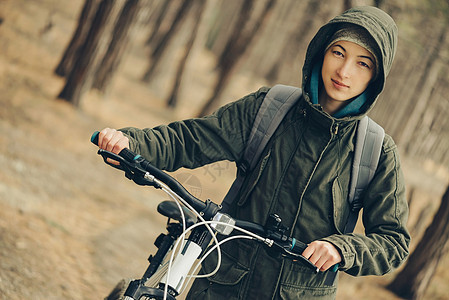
(379, 3)
(78, 39)
(80, 77)
(229, 56)
(197, 13)
(222, 25)
(283, 66)
(117, 46)
(347, 4)
(423, 89)
(162, 14)
(163, 44)
(235, 48)
(413, 280)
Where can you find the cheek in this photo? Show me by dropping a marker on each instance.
(326, 69)
(364, 81)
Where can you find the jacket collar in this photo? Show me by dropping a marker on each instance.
(323, 121)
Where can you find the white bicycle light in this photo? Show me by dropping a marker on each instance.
(223, 220)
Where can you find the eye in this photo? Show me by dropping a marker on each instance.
(337, 53)
(365, 65)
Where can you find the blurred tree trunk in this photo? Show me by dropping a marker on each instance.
(432, 125)
(199, 6)
(81, 75)
(413, 280)
(159, 21)
(242, 36)
(297, 39)
(78, 39)
(222, 25)
(347, 4)
(423, 89)
(162, 45)
(421, 94)
(118, 45)
(379, 3)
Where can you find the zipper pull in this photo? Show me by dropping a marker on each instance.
(335, 128)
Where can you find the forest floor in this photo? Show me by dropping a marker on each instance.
(71, 227)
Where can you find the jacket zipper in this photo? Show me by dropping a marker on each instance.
(335, 128)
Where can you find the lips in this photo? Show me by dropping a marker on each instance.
(339, 84)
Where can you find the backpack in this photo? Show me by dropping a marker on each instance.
(278, 101)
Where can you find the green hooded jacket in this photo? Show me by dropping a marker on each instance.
(303, 176)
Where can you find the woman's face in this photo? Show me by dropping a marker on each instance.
(347, 71)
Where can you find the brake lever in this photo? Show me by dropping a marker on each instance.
(133, 170)
(301, 258)
(106, 154)
(296, 256)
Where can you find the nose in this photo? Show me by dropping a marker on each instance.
(344, 71)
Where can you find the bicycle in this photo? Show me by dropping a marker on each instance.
(192, 225)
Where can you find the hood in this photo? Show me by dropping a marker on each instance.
(382, 29)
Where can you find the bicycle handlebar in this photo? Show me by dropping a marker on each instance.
(143, 172)
(135, 163)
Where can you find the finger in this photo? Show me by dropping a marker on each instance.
(326, 265)
(332, 259)
(100, 138)
(313, 255)
(320, 263)
(308, 252)
(110, 140)
(313, 258)
(122, 143)
(104, 137)
(113, 140)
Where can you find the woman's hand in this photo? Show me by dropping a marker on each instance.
(322, 254)
(113, 141)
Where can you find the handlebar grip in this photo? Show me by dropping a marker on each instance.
(128, 155)
(94, 138)
(125, 153)
(298, 247)
(334, 268)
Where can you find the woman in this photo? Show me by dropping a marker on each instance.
(303, 174)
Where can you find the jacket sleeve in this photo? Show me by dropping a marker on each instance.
(385, 245)
(196, 142)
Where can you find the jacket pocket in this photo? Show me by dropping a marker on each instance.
(299, 282)
(230, 272)
(257, 174)
(293, 293)
(225, 284)
(340, 206)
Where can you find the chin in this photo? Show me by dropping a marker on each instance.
(340, 97)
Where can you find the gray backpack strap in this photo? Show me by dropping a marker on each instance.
(368, 146)
(276, 104)
(367, 151)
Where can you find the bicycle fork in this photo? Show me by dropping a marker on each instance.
(194, 247)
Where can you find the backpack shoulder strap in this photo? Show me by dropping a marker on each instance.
(274, 108)
(368, 147)
(277, 102)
